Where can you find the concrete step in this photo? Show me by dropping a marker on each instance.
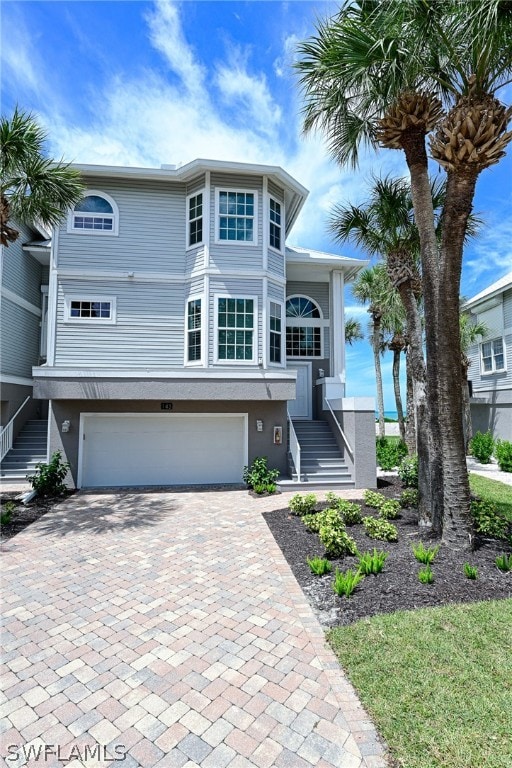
(287, 484)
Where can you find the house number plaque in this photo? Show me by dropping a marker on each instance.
(166, 406)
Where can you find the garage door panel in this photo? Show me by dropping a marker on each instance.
(142, 450)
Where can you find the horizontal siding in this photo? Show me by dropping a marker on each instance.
(276, 262)
(45, 275)
(229, 257)
(276, 292)
(493, 319)
(319, 292)
(196, 285)
(327, 342)
(21, 273)
(152, 230)
(196, 185)
(275, 191)
(507, 308)
(20, 340)
(149, 329)
(194, 260)
(240, 288)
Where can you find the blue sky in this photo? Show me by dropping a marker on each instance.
(145, 83)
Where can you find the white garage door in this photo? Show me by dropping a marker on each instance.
(161, 449)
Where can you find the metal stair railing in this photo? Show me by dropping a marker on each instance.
(6, 440)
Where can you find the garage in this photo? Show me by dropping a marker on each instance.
(126, 449)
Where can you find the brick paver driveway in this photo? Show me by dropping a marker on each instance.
(167, 629)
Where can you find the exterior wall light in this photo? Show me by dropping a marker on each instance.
(259, 425)
(66, 425)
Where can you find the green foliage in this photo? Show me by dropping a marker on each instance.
(380, 529)
(261, 488)
(345, 583)
(315, 520)
(409, 497)
(503, 452)
(487, 519)
(408, 471)
(373, 499)
(424, 554)
(390, 452)
(319, 565)
(49, 478)
(259, 475)
(470, 571)
(7, 511)
(504, 562)
(426, 575)
(372, 562)
(390, 509)
(350, 513)
(481, 446)
(302, 505)
(336, 541)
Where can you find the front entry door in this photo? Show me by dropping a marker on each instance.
(300, 408)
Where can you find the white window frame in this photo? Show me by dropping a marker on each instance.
(102, 232)
(200, 362)
(302, 322)
(239, 243)
(112, 320)
(280, 250)
(283, 333)
(494, 370)
(189, 220)
(253, 361)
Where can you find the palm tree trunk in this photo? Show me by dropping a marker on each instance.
(426, 395)
(398, 394)
(410, 424)
(457, 527)
(378, 375)
(466, 418)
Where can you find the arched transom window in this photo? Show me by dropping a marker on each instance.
(303, 327)
(96, 213)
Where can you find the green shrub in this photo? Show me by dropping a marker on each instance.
(390, 509)
(504, 562)
(336, 541)
(487, 519)
(319, 565)
(302, 505)
(409, 497)
(372, 562)
(315, 520)
(345, 583)
(374, 499)
(481, 446)
(48, 479)
(408, 471)
(423, 554)
(264, 488)
(470, 571)
(350, 513)
(426, 575)
(503, 452)
(7, 511)
(390, 452)
(258, 475)
(380, 529)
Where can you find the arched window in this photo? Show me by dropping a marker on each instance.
(303, 327)
(96, 213)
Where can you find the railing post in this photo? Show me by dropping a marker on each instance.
(7, 432)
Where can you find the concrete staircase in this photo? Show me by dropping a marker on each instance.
(322, 462)
(29, 448)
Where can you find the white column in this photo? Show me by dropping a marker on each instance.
(337, 285)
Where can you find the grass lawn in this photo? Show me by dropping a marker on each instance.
(437, 682)
(493, 490)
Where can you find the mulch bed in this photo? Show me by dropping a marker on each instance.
(25, 515)
(397, 587)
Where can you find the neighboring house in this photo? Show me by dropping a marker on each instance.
(181, 331)
(490, 370)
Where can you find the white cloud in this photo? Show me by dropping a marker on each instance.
(489, 256)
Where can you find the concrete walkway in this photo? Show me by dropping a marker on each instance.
(166, 629)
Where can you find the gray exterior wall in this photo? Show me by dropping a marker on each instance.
(260, 443)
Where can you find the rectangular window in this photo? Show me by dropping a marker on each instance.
(303, 341)
(195, 219)
(237, 216)
(275, 332)
(90, 309)
(194, 330)
(104, 223)
(235, 329)
(493, 356)
(275, 224)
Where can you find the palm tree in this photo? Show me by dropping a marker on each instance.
(469, 333)
(33, 188)
(376, 74)
(397, 343)
(353, 330)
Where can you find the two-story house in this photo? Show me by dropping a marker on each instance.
(184, 338)
(490, 370)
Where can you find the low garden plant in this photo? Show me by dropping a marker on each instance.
(481, 446)
(374, 499)
(315, 520)
(488, 521)
(504, 562)
(390, 452)
(372, 562)
(346, 582)
(259, 478)
(408, 472)
(425, 555)
(390, 509)
(409, 497)
(7, 511)
(380, 529)
(302, 504)
(336, 541)
(48, 479)
(426, 575)
(319, 565)
(470, 571)
(503, 453)
(349, 512)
